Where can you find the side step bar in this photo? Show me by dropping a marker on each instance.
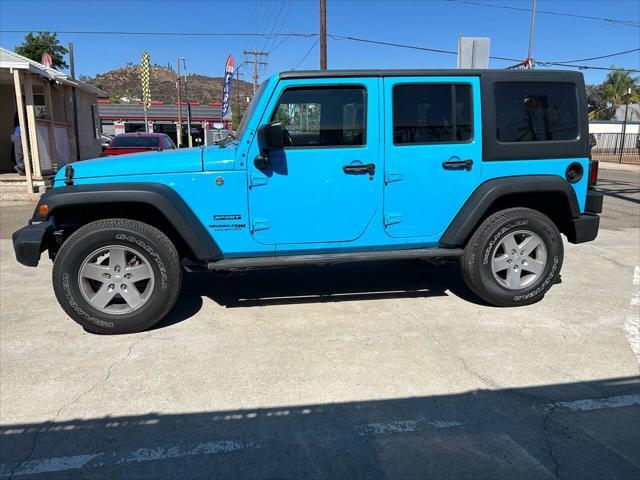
(246, 263)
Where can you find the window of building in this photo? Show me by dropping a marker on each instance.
(322, 117)
(536, 111)
(432, 113)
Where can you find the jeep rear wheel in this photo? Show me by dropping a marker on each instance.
(513, 257)
(117, 276)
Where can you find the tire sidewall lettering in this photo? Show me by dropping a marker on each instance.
(147, 248)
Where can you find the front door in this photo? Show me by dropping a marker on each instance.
(433, 151)
(325, 185)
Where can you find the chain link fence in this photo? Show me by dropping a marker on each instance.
(616, 147)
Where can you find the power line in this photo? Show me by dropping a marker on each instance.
(628, 23)
(602, 56)
(451, 52)
(306, 54)
(178, 34)
(344, 37)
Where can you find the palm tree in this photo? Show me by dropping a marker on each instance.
(617, 83)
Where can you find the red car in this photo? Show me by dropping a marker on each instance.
(138, 142)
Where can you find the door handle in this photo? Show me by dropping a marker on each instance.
(369, 168)
(457, 164)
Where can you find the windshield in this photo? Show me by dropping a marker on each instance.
(250, 110)
(136, 142)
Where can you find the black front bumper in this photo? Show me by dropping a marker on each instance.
(585, 227)
(29, 242)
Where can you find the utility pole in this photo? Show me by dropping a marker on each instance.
(179, 129)
(72, 71)
(186, 99)
(256, 64)
(323, 34)
(533, 19)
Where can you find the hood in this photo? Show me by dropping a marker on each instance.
(168, 161)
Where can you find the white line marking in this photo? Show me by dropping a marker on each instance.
(400, 426)
(599, 403)
(446, 424)
(207, 448)
(389, 427)
(632, 322)
(61, 464)
(56, 464)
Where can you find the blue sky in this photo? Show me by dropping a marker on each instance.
(428, 23)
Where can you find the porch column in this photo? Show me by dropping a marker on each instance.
(31, 121)
(52, 129)
(23, 130)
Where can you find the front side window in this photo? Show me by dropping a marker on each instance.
(536, 111)
(322, 117)
(431, 113)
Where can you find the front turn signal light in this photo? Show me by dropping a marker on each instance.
(43, 209)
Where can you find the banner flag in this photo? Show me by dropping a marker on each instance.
(145, 62)
(226, 92)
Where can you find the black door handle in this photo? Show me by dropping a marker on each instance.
(369, 168)
(457, 164)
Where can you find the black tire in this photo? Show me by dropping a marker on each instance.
(476, 263)
(140, 238)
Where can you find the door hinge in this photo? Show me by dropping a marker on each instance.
(391, 176)
(257, 180)
(259, 224)
(391, 218)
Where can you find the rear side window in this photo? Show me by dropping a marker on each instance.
(322, 117)
(536, 112)
(431, 113)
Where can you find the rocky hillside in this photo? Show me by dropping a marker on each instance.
(125, 83)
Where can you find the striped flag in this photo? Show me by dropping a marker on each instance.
(145, 62)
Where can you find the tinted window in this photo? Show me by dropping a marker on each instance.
(431, 113)
(322, 117)
(136, 142)
(536, 112)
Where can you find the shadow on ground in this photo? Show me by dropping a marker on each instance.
(521, 433)
(317, 284)
(619, 189)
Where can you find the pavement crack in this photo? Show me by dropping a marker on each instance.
(75, 400)
(548, 442)
(484, 379)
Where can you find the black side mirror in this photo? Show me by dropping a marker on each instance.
(270, 137)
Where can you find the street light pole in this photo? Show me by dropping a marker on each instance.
(323, 34)
(186, 95)
(533, 19)
(179, 129)
(624, 125)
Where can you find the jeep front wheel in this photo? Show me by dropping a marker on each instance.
(117, 276)
(513, 257)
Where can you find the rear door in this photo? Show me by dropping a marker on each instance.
(320, 188)
(433, 151)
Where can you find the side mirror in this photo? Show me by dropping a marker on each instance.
(270, 137)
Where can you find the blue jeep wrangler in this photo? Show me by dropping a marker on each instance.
(485, 166)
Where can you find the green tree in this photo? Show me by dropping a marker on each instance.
(617, 83)
(599, 106)
(36, 45)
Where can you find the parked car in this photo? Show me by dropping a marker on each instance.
(138, 142)
(485, 167)
(105, 141)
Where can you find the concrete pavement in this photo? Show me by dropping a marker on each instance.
(390, 370)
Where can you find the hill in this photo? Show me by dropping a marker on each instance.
(125, 83)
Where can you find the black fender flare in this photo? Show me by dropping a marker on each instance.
(488, 192)
(157, 195)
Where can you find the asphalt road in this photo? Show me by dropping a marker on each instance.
(392, 370)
